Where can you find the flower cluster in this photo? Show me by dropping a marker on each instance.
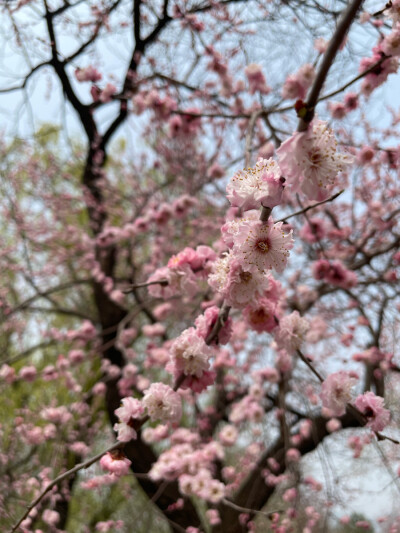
(182, 273)
(335, 273)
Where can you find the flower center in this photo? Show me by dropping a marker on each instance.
(259, 316)
(246, 276)
(263, 246)
(315, 157)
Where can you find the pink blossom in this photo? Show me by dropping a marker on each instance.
(204, 324)
(228, 435)
(321, 45)
(162, 403)
(334, 272)
(261, 315)
(351, 101)
(313, 230)
(310, 161)
(116, 463)
(215, 171)
(266, 151)
(296, 85)
(76, 356)
(58, 415)
(338, 110)
(213, 517)
(256, 79)
(50, 517)
(109, 525)
(28, 373)
(7, 373)
(262, 246)
(89, 73)
(246, 409)
(365, 155)
(108, 91)
(379, 74)
(35, 435)
(371, 406)
(333, 425)
(336, 392)
(293, 455)
(291, 332)
(131, 408)
(238, 286)
(394, 11)
(162, 311)
(293, 89)
(259, 186)
(153, 330)
(391, 43)
(172, 281)
(199, 383)
(197, 260)
(189, 355)
(289, 495)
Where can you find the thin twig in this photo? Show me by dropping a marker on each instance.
(219, 324)
(249, 135)
(330, 199)
(228, 503)
(63, 476)
(310, 366)
(131, 288)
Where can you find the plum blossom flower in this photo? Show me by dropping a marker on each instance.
(379, 74)
(88, 73)
(391, 43)
(238, 286)
(202, 485)
(291, 332)
(310, 160)
(204, 324)
(336, 392)
(189, 354)
(262, 246)
(313, 230)
(50, 517)
(261, 315)
(394, 11)
(296, 85)
(335, 273)
(256, 79)
(130, 410)
(253, 187)
(371, 406)
(213, 517)
(321, 45)
(338, 110)
(351, 101)
(172, 281)
(162, 403)
(116, 463)
(228, 435)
